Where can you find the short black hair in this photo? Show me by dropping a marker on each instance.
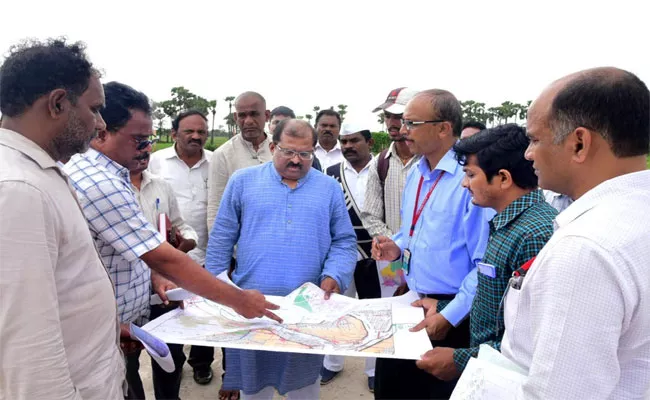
(279, 128)
(284, 111)
(329, 112)
(184, 114)
(501, 147)
(446, 107)
(33, 69)
(121, 99)
(614, 103)
(473, 124)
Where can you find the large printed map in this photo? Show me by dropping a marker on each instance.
(340, 325)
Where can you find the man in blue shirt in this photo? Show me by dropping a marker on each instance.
(442, 238)
(291, 226)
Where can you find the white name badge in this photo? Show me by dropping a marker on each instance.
(487, 269)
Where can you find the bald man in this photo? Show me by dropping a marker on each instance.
(578, 319)
(248, 148)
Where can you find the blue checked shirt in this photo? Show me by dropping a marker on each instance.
(517, 234)
(118, 227)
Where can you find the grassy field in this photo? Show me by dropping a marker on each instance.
(218, 141)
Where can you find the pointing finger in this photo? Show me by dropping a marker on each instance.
(271, 315)
(270, 306)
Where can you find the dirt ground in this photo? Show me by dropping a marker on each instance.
(350, 384)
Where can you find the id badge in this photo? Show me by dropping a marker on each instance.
(487, 269)
(406, 261)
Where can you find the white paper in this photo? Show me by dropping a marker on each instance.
(338, 326)
(491, 376)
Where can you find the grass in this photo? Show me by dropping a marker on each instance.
(648, 162)
(218, 141)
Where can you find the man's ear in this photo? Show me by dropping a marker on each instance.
(267, 114)
(371, 143)
(272, 147)
(57, 103)
(505, 178)
(582, 142)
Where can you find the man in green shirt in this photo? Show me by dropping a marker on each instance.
(499, 177)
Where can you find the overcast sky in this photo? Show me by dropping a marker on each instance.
(306, 53)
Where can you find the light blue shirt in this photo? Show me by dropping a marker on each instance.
(450, 236)
(285, 237)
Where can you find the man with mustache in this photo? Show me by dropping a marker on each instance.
(290, 225)
(442, 238)
(386, 178)
(352, 174)
(328, 149)
(577, 321)
(186, 165)
(155, 197)
(128, 244)
(281, 113)
(248, 148)
(58, 320)
(499, 177)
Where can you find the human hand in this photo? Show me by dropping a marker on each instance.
(383, 248)
(127, 344)
(184, 245)
(330, 286)
(160, 285)
(253, 304)
(429, 305)
(439, 362)
(437, 326)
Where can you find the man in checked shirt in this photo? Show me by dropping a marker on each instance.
(499, 177)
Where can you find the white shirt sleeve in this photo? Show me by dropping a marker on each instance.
(577, 310)
(217, 180)
(34, 363)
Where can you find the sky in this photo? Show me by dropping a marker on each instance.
(306, 53)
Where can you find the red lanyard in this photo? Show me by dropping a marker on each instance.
(418, 211)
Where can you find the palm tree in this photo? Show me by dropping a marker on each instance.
(230, 119)
(342, 111)
(309, 117)
(212, 109)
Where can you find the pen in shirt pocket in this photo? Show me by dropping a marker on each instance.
(157, 204)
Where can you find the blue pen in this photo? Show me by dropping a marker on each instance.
(157, 204)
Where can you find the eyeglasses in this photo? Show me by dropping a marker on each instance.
(304, 155)
(412, 124)
(141, 143)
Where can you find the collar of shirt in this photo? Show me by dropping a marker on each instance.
(146, 179)
(171, 152)
(447, 163)
(113, 167)
(276, 175)
(349, 167)
(619, 186)
(248, 144)
(20, 143)
(337, 146)
(514, 209)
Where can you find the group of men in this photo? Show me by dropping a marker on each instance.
(451, 211)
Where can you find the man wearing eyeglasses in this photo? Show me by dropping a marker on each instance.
(291, 226)
(442, 238)
(127, 243)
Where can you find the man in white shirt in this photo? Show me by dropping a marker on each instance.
(58, 319)
(156, 197)
(558, 201)
(186, 166)
(328, 149)
(248, 148)
(356, 141)
(578, 322)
